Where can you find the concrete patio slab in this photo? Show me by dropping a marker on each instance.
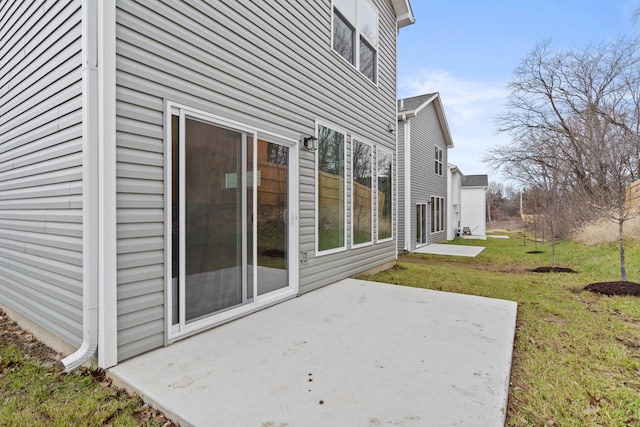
(453, 250)
(354, 353)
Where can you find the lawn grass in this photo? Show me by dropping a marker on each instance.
(576, 359)
(34, 395)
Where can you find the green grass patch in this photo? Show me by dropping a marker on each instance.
(576, 359)
(32, 395)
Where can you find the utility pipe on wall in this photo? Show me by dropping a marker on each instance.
(90, 190)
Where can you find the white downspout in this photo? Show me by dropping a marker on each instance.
(90, 189)
(407, 183)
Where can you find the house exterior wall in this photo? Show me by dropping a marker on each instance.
(454, 188)
(473, 214)
(268, 65)
(426, 133)
(41, 164)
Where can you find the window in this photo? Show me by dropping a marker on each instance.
(331, 194)
(438, 156)
(385, 185)
(421, 223)
(361, 193)
(355, 34)
(437, 214)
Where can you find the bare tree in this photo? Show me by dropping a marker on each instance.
(574, 120)
(494, 197)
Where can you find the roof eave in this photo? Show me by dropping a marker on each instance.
(443, 122)
(442, 118)
(404, 14)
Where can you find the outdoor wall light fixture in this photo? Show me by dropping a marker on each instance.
(391, 127)
(310, 143)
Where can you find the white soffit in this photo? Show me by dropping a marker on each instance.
(404, 14)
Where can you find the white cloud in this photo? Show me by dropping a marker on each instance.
(471, 107)
(463, 100)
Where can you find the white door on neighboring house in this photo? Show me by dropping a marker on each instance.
(421, 224)
(233, 231)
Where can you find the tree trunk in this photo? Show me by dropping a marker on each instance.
(623, 268)
(553, 246)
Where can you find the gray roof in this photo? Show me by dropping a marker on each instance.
(410, 104)
(475, 181)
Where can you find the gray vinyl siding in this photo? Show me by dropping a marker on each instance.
(41, 164)
(426, 133)
(244, 61)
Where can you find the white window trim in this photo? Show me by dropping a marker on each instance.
(434, 202)
(171, 332)
(356, 52)
(369, 243)
(317, 241)
(388, 239)
(439, 162)
(426, 223)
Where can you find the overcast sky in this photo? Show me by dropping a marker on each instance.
(467, 50)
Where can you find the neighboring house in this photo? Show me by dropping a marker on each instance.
(169, 166)
(474, 205)
(423, 141)
(454, 198)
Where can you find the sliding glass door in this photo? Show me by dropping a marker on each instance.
(230, 221)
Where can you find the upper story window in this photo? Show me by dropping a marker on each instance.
(438, 156)
(355, 34)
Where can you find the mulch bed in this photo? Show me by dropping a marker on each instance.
(615, 288)
(553, 270)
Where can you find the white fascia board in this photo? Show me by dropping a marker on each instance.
(443, 122)
(404, 13)
(427, 102)
(442, 118)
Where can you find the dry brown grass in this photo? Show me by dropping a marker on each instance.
(605, 231)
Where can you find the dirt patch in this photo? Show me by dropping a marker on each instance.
(614, 288)
(553, 270)
(505, 268)
(12, 335)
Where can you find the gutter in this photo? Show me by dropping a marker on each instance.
(90, 190)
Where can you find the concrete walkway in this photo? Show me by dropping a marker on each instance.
(452, 250)
(354, 353)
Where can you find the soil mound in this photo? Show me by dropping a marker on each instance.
(553, 270)
(615, 288)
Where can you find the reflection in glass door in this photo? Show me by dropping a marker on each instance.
(214, 208)
(272, 224)
(230, 219)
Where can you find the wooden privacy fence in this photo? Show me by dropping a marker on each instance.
(633, 195)
(330, 196)
(273, 184)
